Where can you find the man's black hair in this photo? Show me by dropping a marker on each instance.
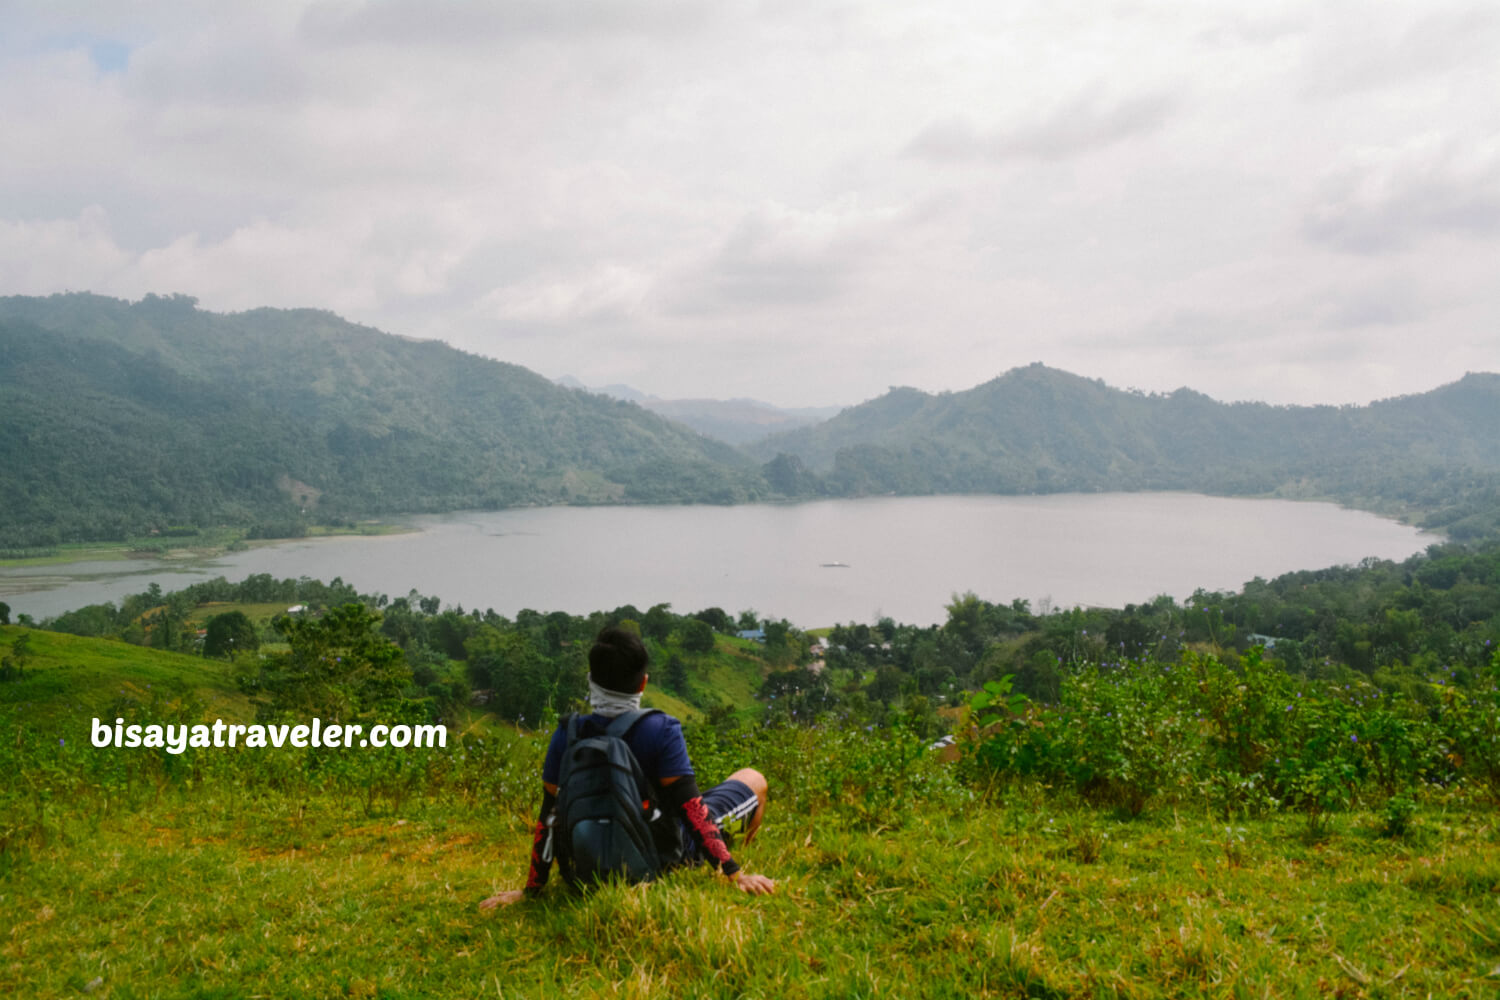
(618, 661)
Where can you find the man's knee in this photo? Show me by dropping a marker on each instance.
(754, 780)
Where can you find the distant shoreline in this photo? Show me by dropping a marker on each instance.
(217, 542)
(771, 555)
(213, 542)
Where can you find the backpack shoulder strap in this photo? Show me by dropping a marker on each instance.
(625, 721)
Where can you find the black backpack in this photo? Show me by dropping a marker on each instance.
(609, 825)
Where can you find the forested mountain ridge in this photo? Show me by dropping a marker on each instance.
(1036, 429)
(119, 417)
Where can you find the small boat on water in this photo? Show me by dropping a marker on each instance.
(835, 565)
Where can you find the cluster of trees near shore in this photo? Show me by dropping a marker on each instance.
(1396, 625)
(1316, 691)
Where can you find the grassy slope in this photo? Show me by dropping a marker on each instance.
(71, 679)
(730, 674)
(230, 889)
(210, 896)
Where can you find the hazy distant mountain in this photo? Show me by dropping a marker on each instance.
(1039, 430)
(737, 421)
(614, 389)
(118, 417)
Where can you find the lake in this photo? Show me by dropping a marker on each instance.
(816, 563)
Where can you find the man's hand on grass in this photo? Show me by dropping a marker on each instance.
(503, 899)
(756, 885)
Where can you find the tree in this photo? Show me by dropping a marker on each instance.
(523, 681)
(163, 627)
(339, 667)
(697, 636)
(13, 667)
(886, 685)
(677, 675)
(513, 670)
(716, 618)
(782, 647)
(4, 613)
(797, 695)
(658, 622)
(229, 633)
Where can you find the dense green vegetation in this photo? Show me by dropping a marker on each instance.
(304, 872)
(266, 878)
(121, 418)
(1376, 655)
(522, 669)
(1154, 801)
(1038, 430)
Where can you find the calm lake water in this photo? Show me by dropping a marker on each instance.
(901, 556)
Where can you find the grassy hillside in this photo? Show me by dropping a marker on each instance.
(206, 896)
(138, 873)
(70, 679)
(126, 874)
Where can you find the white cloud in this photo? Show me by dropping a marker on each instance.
(776, 256)
(1389, 199)
(798, 202)
(458, 24)
(39, 258)
(1087, 121)
(610, 292)
(1382, 47)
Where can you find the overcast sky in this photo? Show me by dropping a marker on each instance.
(802, 202)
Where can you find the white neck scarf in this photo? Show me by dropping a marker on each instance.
(612, 703)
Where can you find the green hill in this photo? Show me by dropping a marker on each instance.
(317, 872)
(1038, 430)
(117, 418)
(1188, 826)
(68, 680)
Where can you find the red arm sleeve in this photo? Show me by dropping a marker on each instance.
(683, 793)
(541, 847)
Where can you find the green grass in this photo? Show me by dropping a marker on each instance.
(76, 552)
(362, 528)
(730, 674)
(206, 543)
(258, 612)
(129, 874)
(208, 894)
(655, 697)
(733, 671)
(70, 679)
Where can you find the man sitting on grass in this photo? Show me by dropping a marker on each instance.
(617, 677)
